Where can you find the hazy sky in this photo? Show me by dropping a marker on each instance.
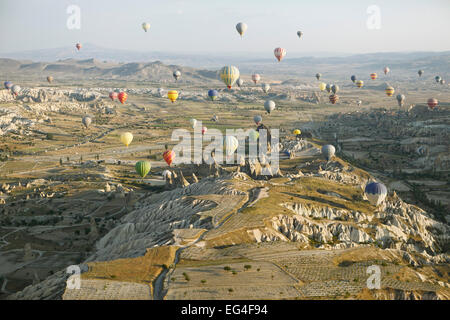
(209, 25)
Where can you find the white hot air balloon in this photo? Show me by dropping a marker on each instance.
(146, 26)
(193, 123)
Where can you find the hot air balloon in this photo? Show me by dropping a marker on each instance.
(389, 91)
(78, 46)
(8, 85)
(420, 72)
(50, 79)
(172, 95)
(143, 168)
(296, 132)
(204, 129)
(353, 78)
(265, 87)
(400, 99)
(359, 102)
(328, 151)
(241, 27)
(230, 144)
(146, 26)
(432, 103)
(269, 105)
(335, 88)
(240, 82)
(322, 86)
(256, 77)
(359, 83)
(257, 119)
(113, 95)
(193, 123)
(176, 74)
(279, 53)
(373, 76)
(15, 89)
(168, 156)
(375, 193)
(166, 174)
(215, 118)
(334, 98)
(161, 92)
(299, 34)
(212, 94)
(386, 70)
(126, 138)
(253, 135)
(442, 81)
(437, 78)
(122, 96)
(328, 87)
(86, 121)
(421, 150)
(229, 75)
(318, 75)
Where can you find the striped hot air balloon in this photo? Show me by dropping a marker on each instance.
(359, 83)
(373, 76)
(375, 193)
(143, 168)
(229, 75)
(122, 96)
(172, 95)
(279, 53)
(334, 98)
(256, 77)
(113, 95)
(432, 103)
(168, 156)
(389, 91)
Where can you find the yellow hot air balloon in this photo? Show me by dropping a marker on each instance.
(322, 86)
(297, 132)
(389, 91)
(126, 138)
(229, 75)
(172, 95)
(359, 83)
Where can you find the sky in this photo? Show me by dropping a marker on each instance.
(208, 26)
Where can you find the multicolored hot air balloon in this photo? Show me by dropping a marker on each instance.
(269, 105)
(50, 79)
(113, 95)
(229, 75)
(353, 78)
(328, 151)
(126, 138)
(279, 53)
(169, 156)
(145, 26)
(335, 88)
(122, 96)
(86, 121)
(176, 74)
(143, 168)
(240, 82)
(8, 85)
(212, 94)
(318, 75)
(359, 83)
(78, 46)
(257, 119)
(386, 70)
(400, 99)
(322, 86)
(256, 77)
(432, 103)
(334, 98)
(373, 76)
(230, 144)
(241, 27)
(265, 87)
(375, 193)
(172, 95)
(420, 72)
(389, 91)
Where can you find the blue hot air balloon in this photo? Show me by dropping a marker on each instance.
(375, 192)
(212, 94)
(353, 78)
(8, 84)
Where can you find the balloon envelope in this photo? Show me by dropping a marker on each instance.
(239, 82)
(193, 123)
(86, 121)
(231, 144)
(177, 74)
(172, 95)
(257, 119)
(253, 135)
(146, 26)
(168, 156)
(375, 193)
(322, 86)
(143, 168)
(126, 138)
(266, 87)
(229, 75)
(122, 96)
(328, 151)
(279, 53)
(241, 27)
(269, 105)
(212, 94)
(8, 84)
(256, 77)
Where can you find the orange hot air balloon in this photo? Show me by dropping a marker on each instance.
(432, 103)
(168, 156)
(373, 76)
(122, 97)
(78, 46)
(113, 95)
(334, 98)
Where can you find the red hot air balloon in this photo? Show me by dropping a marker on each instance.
(78, 46)
(204, 129)
(432, 103)
(113, 95)
(122, 97)
(279, 53)
(256, 77)
(168, 156)
(373, 76)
